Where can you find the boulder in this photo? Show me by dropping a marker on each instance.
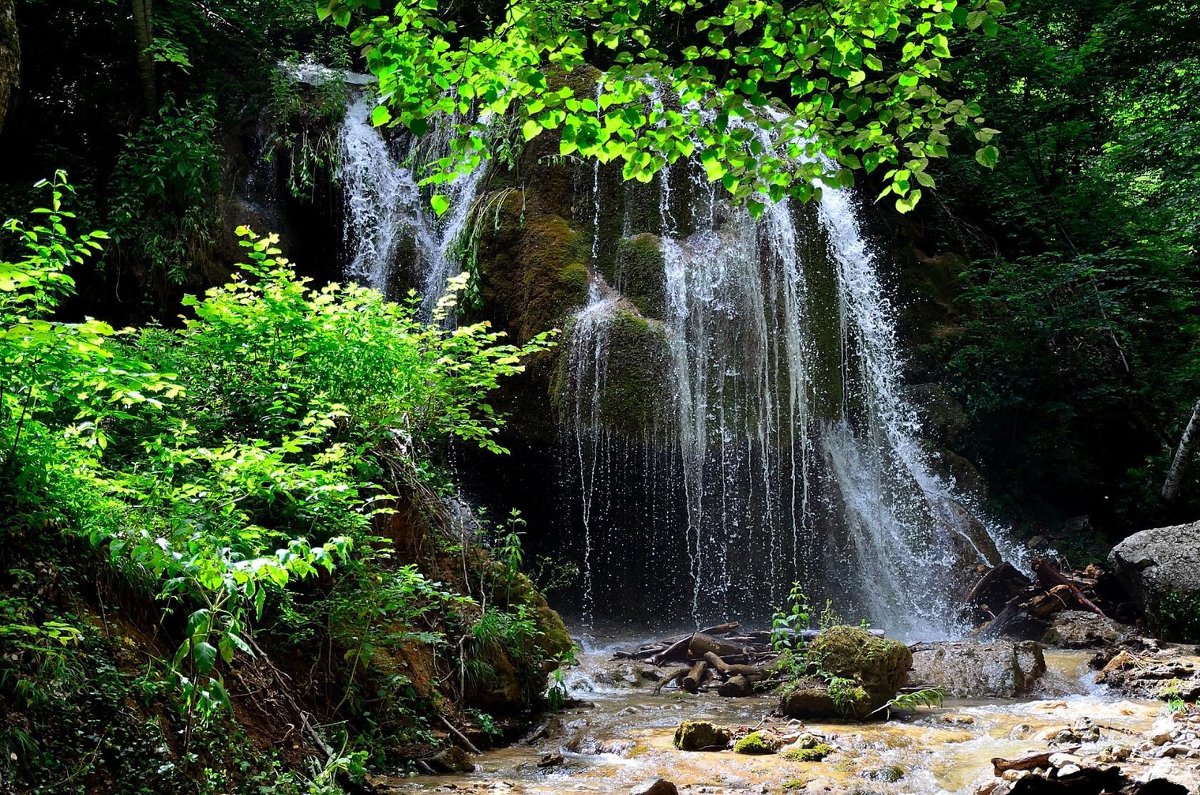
(850, 672)
(978, 669)
(659, 786)
(1160, 568)
(701, 735)
(1079, 629)
(758, 743)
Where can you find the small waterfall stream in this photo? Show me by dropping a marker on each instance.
(386, 209)
(780, 447)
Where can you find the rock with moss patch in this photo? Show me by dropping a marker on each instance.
(813, 754)
(639, 273)
(701, 735)
(758, 743)
(850, 673)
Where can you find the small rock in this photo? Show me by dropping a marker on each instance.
(1059, 760)
(1160, 738)
(1068, 770)
(550, 760)
(659, 786)
(699, 735)
(452, 760)
(758, 744)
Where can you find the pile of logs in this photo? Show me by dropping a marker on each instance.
(1011, 604)
(717, 658)
(720, 658)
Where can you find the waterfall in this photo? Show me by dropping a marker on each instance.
(730, 423)
(789, 453)
(389, 223)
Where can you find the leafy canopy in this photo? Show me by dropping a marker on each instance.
(839, 84)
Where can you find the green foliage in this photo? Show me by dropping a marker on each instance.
(910, 702)
(1076, 351)
(786, 623)
(225, 460)
(163, 188)
(305, 122)
(852, 83)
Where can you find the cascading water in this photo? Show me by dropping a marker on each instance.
(776, 445)
(789, 453)
(389, 222)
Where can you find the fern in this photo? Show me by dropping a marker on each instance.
(909, 702)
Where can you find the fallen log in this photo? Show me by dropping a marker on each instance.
(1049, 576)
(695, 677)
(1057, 599)
(735, 686)
(722, 629)
(699, 644)
(1000, 765)
(676, 652)
(727, 670)
(675, 677)
(996, 587)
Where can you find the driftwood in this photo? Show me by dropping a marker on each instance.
(1049, 577)
(695, 677)
(701, 644)
(1000, 765)
(726, 670)
(998, 586)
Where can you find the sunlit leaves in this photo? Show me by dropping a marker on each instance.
(842, 85)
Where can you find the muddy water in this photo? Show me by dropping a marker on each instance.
(624, 737)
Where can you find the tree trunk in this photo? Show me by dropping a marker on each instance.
(10, 56)
(1187, 446)
(143, 37)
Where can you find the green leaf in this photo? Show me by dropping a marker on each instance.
(987, 156)
(531, 129)
(205, 655)
(380, 115)
(440, 203)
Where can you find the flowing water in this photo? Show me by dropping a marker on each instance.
(779, 447)
(390, 226)
(789, 452)
(623, 737)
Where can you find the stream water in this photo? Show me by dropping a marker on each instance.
(623, 737)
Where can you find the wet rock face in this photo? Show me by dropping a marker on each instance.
(975, 669)
(1160, 568)
(1165, 674)
(1078, 629)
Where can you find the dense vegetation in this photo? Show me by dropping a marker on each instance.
(235, 508)
(1075, 341)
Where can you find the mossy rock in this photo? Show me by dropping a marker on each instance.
(859, 673)
(814, 754)
(758, 743)
(701, 735)
(639, 274)
(636, 376)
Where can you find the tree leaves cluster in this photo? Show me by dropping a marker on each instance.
(842, 85)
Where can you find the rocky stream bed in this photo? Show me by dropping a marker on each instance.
(1021, 718)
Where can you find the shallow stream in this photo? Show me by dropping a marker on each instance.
(623, 737)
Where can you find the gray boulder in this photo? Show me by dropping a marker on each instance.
(977, 669)
(1160, 568)
(1079, 629)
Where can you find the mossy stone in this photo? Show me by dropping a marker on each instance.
(701, 735)
(639, 274)
(814, 754)
(865, 672)
(757, 743)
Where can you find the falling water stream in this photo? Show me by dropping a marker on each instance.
(783, 449)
